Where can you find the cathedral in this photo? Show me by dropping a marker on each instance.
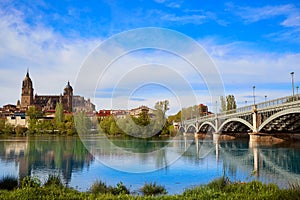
(48, 102)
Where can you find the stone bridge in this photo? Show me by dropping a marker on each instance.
(269, 120)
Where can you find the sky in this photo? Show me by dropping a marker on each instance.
(249, 43)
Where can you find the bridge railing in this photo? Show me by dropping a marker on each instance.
(245, 109)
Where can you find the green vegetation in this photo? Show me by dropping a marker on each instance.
(222, 188)
(5, 128)
(54, 180)
(100, 187)
(141, 126)
(228, 104)
(152, 189)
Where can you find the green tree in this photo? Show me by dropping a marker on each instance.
(33, 115)
(228, 104)
(223, 104)
(231, 104)
(82, 122)
(59, 113)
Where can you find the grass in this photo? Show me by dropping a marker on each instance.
(152, 189)
(100, 187)
(222, 188)
(53, 180)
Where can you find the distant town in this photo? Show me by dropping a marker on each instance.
(15, 114)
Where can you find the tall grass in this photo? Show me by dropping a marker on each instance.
(152, 189)
(53, 180)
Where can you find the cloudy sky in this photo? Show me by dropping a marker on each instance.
(255, 43)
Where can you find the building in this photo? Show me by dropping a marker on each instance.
(18, 119)
(48, 102)
(135, 112)
(203, 110)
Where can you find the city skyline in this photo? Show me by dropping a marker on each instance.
(251, 44)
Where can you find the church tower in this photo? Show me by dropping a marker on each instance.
(68, 96)
(27, 92)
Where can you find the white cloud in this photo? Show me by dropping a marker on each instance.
(250, 14)
(51, 58)
(185, 19)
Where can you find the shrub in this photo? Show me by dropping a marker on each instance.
(219, 184)
(30, 182)
(54, 180)
(120, 189)
(98, 187)
(152, 189)
(8, 183)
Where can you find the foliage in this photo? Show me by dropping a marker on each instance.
(82, 122)
(100, 187)
(19, 130)
(224, 189)
(54, 180)
(152, 189)
(5, 128)
(142, 126)
(175, 118)
(142, 120)
(190, 112)
(59, 113)
(120, 189)
(8, 183)
(220, 188)
(33, 114)
(223, 104)
(30, 182)
(228, 104)
(231, 104)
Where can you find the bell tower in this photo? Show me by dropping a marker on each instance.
(68, 96)
(27, 92)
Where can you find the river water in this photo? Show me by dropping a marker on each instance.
(177, 163)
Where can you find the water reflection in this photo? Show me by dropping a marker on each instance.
(201, 160)
(51, 154)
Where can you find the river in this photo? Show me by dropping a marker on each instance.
(176, 163)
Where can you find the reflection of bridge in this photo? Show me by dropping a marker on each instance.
(261, 121)
(276, 165)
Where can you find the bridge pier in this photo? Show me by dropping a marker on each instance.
(216, 137)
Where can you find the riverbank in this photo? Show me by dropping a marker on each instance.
(222, 188)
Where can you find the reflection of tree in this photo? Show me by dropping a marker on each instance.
(136, 145)
(61, 154)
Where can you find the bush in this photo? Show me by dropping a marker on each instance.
(54, 180)
(120, 189)
(153, 189)
(30, 182)
(98, 187)
(219, 184)
(8, 183)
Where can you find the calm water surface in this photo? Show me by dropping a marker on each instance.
(177, 164)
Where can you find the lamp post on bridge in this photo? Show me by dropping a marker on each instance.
(253, 94)
(297, 87)
(292, 74)
(266, 98)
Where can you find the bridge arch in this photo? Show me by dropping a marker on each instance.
(278, 114)
(181, 129)
(235, 120)
(209, 124)
(190, 127)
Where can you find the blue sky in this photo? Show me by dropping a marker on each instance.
(251, 43)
